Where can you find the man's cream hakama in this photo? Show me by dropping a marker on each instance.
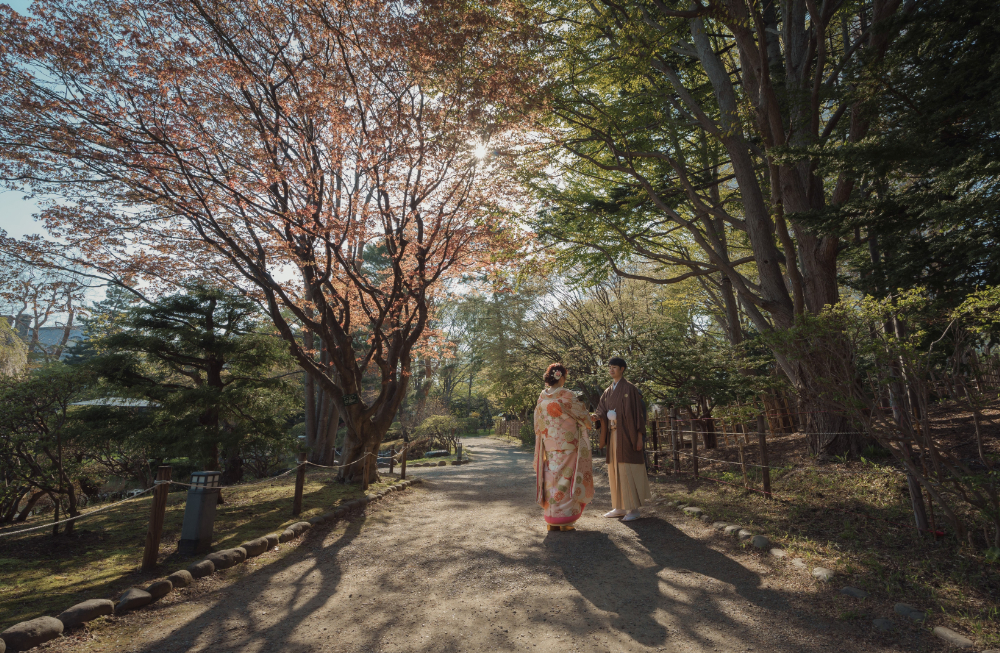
(629, 484)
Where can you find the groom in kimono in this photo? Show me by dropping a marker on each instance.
(622, 419)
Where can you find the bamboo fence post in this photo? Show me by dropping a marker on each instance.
(743, 466)
(300, 480)
(156, 513)
(656, 445)
(673, 440)
(764, 466)
(694, 448)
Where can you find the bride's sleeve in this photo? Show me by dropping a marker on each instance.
(579, 412)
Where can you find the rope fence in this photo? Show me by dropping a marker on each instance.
(71, 519)
(165, 484)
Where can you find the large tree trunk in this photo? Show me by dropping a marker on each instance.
(233, 473)
(8, 509)
(358, 457)
(73, 511)
(323, 447)
(32, 500)
(330, 442)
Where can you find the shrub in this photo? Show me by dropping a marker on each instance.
(527, 435)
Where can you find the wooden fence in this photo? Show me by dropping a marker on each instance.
(509, 428)
(679, 439)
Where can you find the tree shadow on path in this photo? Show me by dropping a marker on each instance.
(666, 571)
(240, 624)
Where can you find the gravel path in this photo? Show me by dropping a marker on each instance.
(464, 563)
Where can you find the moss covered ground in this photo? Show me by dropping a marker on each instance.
(43, 575)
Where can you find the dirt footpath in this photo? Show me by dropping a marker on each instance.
(464, 563)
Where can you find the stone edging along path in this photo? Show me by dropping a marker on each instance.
(28, 634)
(823, 575)
(440, 463)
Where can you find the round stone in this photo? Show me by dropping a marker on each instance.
(181, 578)
(882, 625)
(719, 525)
(744, 534)
(760, 542)
(272, 540)
(202, 569)
(132, 599)
(953, 638)
(823, 574)
(286, 535)
(732, 529)
(81, 613)
(778, 553)
(855, 592)
(29, 634)
(224, 559)
(160, 588)
(255, 547)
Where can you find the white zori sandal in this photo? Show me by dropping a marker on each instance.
(614, 514)
(631, 516)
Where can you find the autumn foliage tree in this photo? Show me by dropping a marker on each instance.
(318, 155)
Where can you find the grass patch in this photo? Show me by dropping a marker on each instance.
(855, 518)
(41, 574)
(466, 455)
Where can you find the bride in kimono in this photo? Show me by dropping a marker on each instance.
(563, 467)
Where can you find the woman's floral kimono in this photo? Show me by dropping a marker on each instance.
(563, 467)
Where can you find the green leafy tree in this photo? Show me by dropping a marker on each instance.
(39, 452)
(442, 428)
(684, 135)
(929, 172)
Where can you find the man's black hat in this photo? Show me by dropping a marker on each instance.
(620, 362)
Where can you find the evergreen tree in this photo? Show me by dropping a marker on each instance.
(215, 379)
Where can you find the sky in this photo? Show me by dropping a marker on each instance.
(15, 213)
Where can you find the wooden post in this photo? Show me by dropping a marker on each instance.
(743, 466)
(656, 446)
(156, 513)
(764, 466)
(673, 440)
(392, 452)
(364, 473)
(694, 448)
(300, 481)
(402, 462)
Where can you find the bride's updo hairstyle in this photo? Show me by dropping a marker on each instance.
(555, 372)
